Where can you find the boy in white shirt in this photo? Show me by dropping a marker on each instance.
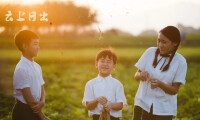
(28, 81)
(104, 91)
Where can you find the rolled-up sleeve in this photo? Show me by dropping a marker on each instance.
(88, 93)
(21, 79)
(143, 60)
(41, 80)
(181, 73)
(120, 96)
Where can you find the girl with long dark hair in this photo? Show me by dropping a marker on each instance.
(161, 71)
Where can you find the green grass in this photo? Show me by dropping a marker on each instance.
(114, 41)
(68, 64)
(88, 54)
(66, 72)
(65, 82)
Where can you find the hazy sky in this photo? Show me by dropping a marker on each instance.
(135, 16)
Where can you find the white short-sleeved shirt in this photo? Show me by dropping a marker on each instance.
(163, 103)
(108, 87)
(27, 74)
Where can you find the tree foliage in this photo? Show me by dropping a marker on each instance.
(59, 13)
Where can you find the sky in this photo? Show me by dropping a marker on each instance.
(135, 16)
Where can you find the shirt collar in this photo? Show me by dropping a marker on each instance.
(26, 60)
(167, 55)
(104, 78)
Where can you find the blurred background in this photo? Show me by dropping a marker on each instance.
(73, 31)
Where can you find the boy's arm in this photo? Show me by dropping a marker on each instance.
(42, 94)
(117, 106)
(40, 103)
(114, 106)
(31, 101)
(28, 97)
(120, 99)
(93, 104)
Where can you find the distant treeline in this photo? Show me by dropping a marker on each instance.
(95, 42)
(59, 13)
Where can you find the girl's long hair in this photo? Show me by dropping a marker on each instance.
(173, 34)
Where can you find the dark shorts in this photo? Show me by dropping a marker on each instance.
(141, 114)
(96, 117)
(22, 111)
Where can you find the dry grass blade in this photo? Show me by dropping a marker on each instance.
(105, 115)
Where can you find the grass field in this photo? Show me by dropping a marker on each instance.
(191, 40)
(66, 72)
(68, 64)
(88, 54)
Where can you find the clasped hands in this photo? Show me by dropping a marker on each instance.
(37, 108)
(144, 75)
(103, 101)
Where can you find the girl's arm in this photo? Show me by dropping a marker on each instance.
(137, 75)
(169, 89)
(141, 75)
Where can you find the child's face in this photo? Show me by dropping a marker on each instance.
(105, 66)
(165, 45)
(32, 48)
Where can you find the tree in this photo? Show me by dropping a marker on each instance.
(59, 13)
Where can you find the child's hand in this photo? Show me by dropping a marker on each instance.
(102, 100)
(37, 107)
(155, 83)
(108, 107)
(144, 75)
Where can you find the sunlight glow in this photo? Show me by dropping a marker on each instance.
(136, 15)
(23, 2)
(28, 2)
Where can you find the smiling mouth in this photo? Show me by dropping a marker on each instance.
(104, 68)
